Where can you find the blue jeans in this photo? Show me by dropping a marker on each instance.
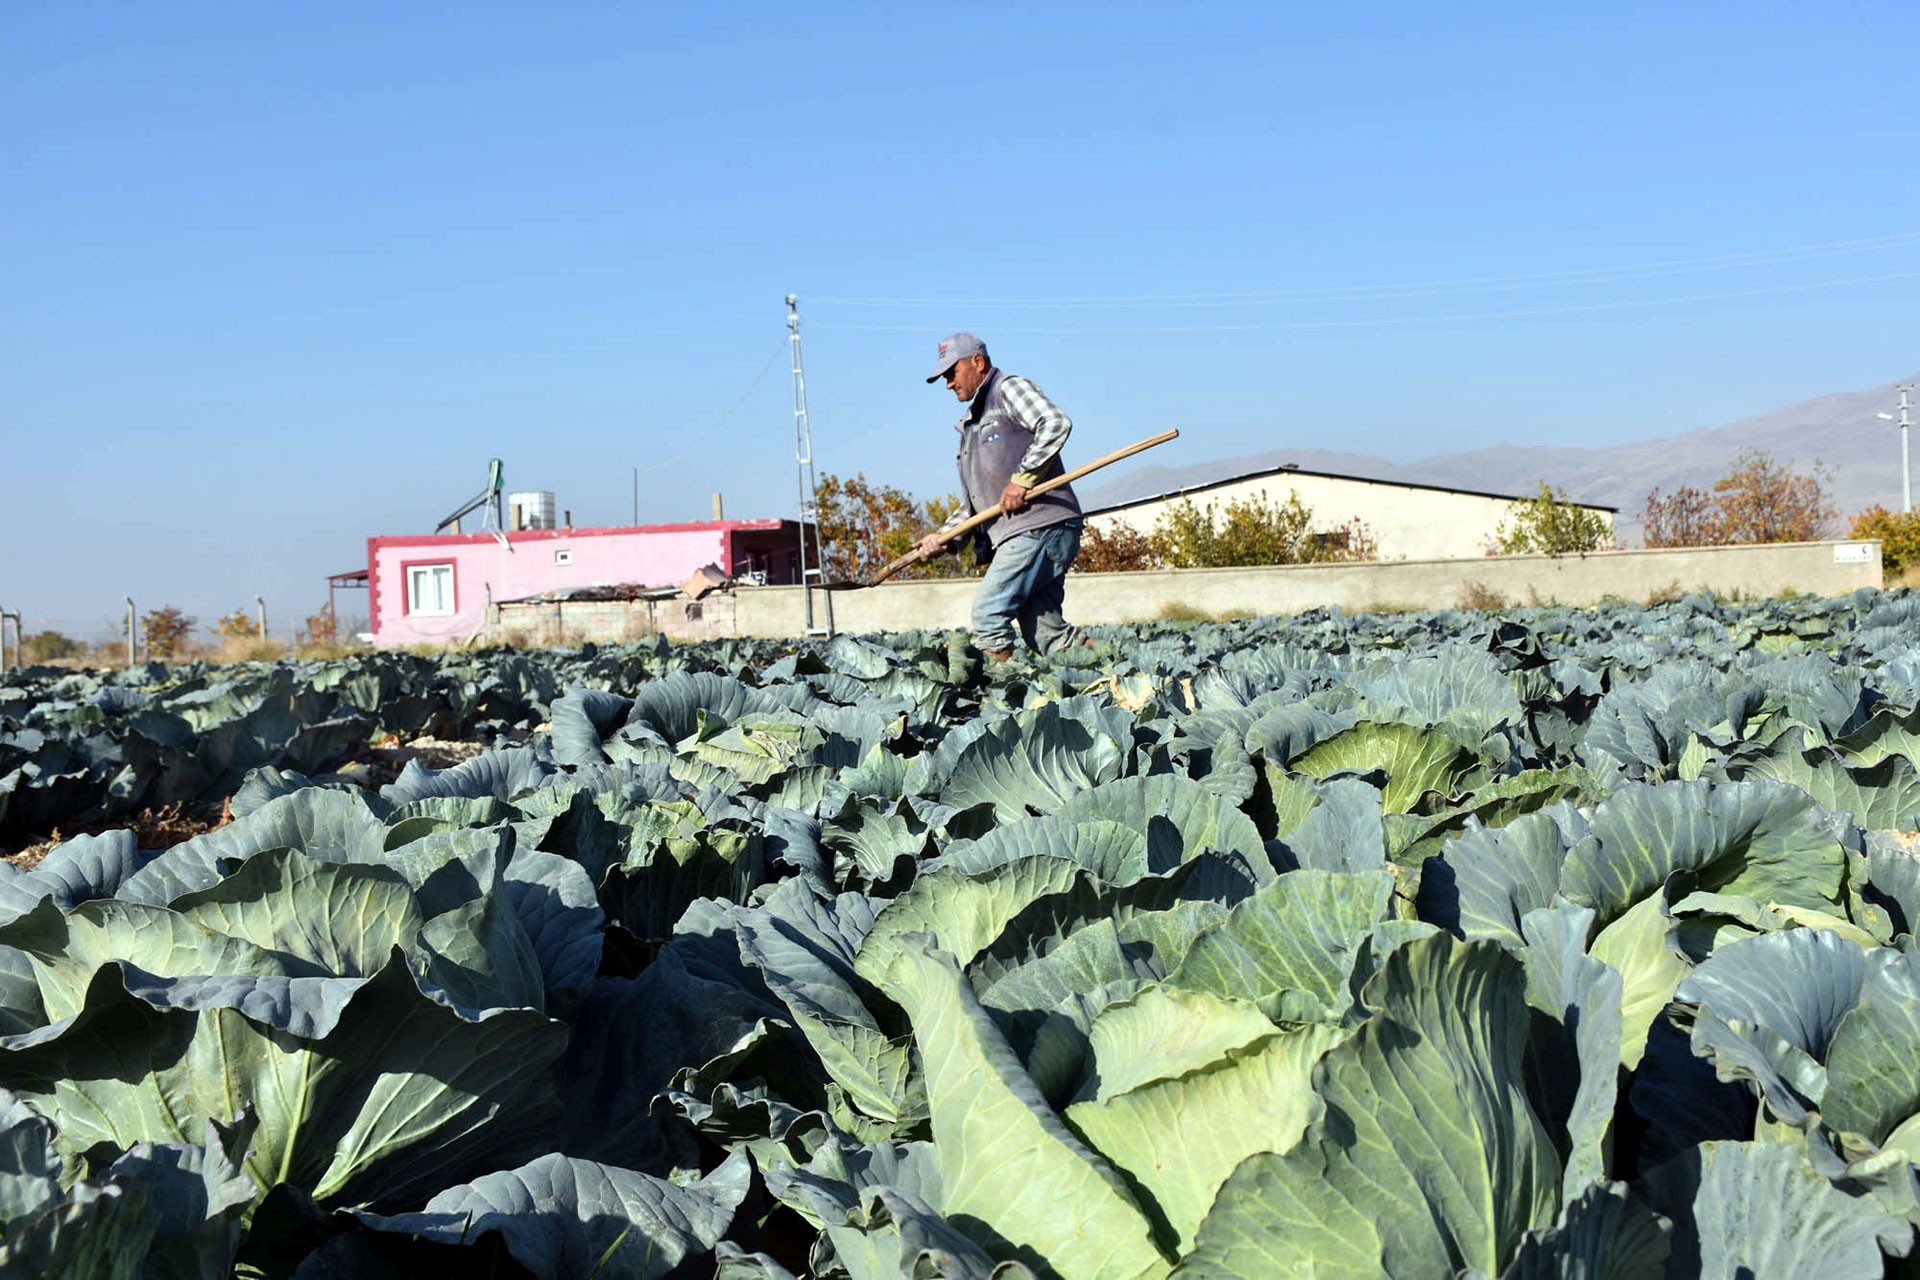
(1026, 584)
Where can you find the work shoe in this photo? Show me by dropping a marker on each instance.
(998, 655)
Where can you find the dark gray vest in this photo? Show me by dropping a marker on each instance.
(992, 442)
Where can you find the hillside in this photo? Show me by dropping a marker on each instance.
(1838, 430)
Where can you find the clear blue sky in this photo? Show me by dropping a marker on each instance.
(279, 277)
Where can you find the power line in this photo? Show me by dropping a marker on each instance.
(713, 431)
(752, 387)
(1471, 284)
(1384, 321)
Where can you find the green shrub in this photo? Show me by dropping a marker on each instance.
(1254, 531)
(1549, 523)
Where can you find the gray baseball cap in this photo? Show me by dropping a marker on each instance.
(953, 350)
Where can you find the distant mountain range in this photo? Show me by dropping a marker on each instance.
(1839, 431)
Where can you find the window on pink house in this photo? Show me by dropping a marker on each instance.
(430, 590)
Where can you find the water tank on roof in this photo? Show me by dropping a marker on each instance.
(531, 510)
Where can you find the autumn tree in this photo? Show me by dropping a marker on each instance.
(1899, 535)
(166, 630)
(1683, 518)
(321, 630)
(238, 625)
(1121, 549)
(1758, 500)
(862, 527)
(962, 563)
(1550, 523)
(1764, 501)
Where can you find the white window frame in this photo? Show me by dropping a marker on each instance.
(441, 602)
(563, 556)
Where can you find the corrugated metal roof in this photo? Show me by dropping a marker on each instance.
(1326, 475)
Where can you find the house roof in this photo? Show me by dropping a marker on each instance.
(581, 531)
(1290, 469)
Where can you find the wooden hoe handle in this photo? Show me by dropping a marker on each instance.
(975, 521)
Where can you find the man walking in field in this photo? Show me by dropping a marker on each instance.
(1010, 439)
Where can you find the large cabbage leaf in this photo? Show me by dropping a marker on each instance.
(1429, 1158)
(1013, 1176)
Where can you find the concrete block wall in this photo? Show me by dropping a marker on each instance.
(1818, 568)
(570, 622)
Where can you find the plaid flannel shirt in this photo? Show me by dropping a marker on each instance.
(1039, 415)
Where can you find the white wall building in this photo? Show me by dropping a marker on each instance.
(1407, 521)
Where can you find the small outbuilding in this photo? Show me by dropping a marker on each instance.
(441, 588)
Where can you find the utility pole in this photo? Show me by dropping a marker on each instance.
(1906, 469)
(811, 574)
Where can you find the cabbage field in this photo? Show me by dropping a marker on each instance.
(1550, 943)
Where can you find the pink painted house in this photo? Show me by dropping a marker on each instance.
(432, 588)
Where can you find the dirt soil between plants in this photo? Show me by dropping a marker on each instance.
(161, 827)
